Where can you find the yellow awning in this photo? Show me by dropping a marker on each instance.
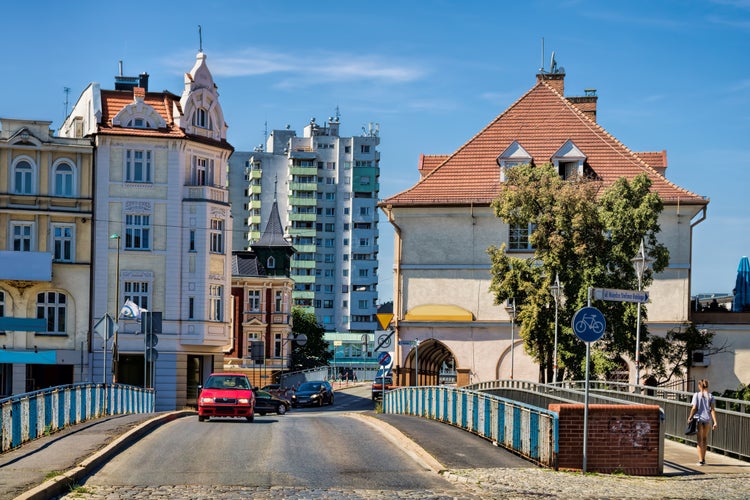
(438, 312)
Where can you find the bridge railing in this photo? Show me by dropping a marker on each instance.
(732, 436)
(28, 416)
(529, 431)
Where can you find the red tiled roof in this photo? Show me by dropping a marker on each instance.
(427, 163)
(113, 101)
(541, 121)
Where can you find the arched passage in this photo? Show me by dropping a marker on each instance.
(430, 357)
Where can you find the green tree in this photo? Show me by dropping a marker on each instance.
(588, 237)
(315, 350)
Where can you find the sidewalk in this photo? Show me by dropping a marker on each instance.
(48, 466)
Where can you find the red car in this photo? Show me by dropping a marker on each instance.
(226, 395)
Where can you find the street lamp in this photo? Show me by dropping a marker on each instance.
(116, 236)
(639, 262)
(556, 291)
(512, 312)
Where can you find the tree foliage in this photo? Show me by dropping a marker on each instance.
(672, 355)
(588, 237)
(315, 351)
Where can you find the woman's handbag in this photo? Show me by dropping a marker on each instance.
(692, 427)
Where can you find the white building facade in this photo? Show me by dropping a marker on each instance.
(162, 230)
(326, 187)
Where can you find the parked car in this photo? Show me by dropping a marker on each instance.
(273, 389)
(268, 403)
(315, 393)
(226, 394)
(377, 386)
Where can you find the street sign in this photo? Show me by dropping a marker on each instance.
(151, 355)
(151, 340)
(384, 319)
(405, 342)
(384, 359)
(614, 295)
(106, 327)
(589, 324)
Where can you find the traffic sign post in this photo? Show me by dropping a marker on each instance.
(588, 325)
(384, 359)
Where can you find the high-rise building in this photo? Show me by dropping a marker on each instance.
(161, 229)
(326, 189)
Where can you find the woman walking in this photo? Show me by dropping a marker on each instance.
(705, 411)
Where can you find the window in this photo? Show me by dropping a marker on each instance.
(327, 304)
(2, 304)
(362, 303)
(364, 180)
(51, 307)
(519, 236)
(277, 344)
(191, 307)
(137, 232)
(330, 196)
(215, 293)
(23, 178)
(364, 210)
(200, 171)
(347, 149)
(330, 212)
(253, 300)
(329, 258)
(22, 236)
(137, 166)
(329, 227)
(192, 240)
(138, 292)
(63, 180)
(364, 242)
(217, 236)
(271, 263)
(364, 148)
(279, 302)
(363, 273)
(62, 243)
(201, 119)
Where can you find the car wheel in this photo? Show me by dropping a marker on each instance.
(262, 414)
(201, 419)
(281, 409)
(320, 402)
(331, 401)
(250, 418)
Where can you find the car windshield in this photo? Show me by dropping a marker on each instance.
(227, 382)
(310, 386)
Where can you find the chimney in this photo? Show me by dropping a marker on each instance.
(555, 80)
(143, 81)
(586, 103)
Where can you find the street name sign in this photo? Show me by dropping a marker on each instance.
(614, 295)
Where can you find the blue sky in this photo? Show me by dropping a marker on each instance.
(671, 75)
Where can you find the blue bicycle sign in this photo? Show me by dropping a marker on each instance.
(589, 324)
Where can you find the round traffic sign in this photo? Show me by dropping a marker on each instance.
(589, 324)
(384, 358)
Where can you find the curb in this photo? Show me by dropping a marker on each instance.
(62, 483)
(401, 441)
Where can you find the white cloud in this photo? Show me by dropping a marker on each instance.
(301, 69)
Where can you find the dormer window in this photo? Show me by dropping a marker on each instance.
(201, 118)
(569, 161)
(513, 156)
(271, 263)
(138, 123)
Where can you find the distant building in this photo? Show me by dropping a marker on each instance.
(45, 257)
(326, 190)
(262, 301)
(162, 227)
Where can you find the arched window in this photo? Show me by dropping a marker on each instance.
(64, 180)
(201, 118)
(51, 306)
(23, 178)
(271, 263)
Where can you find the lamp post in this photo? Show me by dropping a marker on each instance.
(512, 312)
(639, 262)
(116, 236)
(555, 291)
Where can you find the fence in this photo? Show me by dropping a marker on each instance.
(25, 417)
(732, 436)
(525, 429)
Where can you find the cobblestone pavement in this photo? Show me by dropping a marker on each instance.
(470, 484)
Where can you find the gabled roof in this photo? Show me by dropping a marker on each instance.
(541, 121)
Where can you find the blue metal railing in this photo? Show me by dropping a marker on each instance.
(525, 429)
(28, 416)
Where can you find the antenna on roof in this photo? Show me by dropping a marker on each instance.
(200, 39)
(541, 69)
(66, 90)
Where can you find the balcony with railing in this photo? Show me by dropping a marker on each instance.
(206, 193)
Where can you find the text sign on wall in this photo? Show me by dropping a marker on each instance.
(614, 295)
